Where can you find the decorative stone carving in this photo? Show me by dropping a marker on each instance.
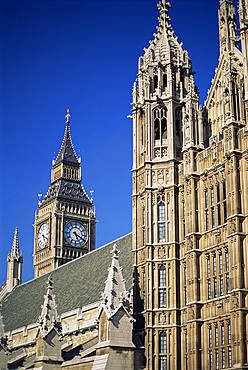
(235, 300)
(162, 318)
(232, 226)
(161, 252)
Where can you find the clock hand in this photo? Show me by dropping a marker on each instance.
(76, 235)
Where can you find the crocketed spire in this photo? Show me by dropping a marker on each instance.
(15, 252)
(115, 294)
(49, 318)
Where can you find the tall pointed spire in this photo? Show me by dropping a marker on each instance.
(67, 164)
(14, 259)
(227, 26)
(164, 18)
(67, 152)
(49, 318)
(115, 294)
(15, 245)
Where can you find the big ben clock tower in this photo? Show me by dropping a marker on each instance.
(64, 227)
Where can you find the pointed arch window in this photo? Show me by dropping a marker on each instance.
(160, 125)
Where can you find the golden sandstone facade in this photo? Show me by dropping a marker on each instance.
(190, 202)
(186, 259)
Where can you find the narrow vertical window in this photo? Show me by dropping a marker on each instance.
(216, 335)
(163, 351)
(206, 198)
(210, 360)
(219, 214)
(212, 207)
(214, 264)
(229, 357)
(162, 298)
(210, 337)
(155, 79)
(217, 359)
(223, 358)
(227, 284)
(209, 289)
(221, 262)
(164, 128)
(156, 129)
(224, 200)
(208, 266)
(184, 220)
(227, 260)
(186, 350)
(221, 285)
(229, 332)
(143, 226)
(222, 334)
(163, 343)
(218, 192)
(224, 190)
(206, 210)
(196, 209)
(185, 284)
(225, 211)
(161, 220)
(144, 289)
(162, 276)
(207, 219)
(164, 80)
(218, 203)
(215, 287)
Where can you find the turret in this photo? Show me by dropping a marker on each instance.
(15, 260)
(227, 26)
(165, 84)
(243, 20)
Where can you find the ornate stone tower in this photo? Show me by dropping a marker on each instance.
(167, 126)
(64, 227)
(190, 202)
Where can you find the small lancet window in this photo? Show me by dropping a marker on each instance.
(155, 81)
(164, 80)
(164, 128)
(156, 129)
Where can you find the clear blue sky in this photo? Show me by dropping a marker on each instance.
(82, 55)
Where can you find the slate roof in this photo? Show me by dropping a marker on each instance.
(67, 153)
(76, 284)
(66, 190)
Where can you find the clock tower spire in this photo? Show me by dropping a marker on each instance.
(65, 222)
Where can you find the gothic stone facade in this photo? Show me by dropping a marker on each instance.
(190, 187)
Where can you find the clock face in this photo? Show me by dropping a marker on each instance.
(75, 234)
(43, 235)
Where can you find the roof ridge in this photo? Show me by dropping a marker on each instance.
(68, 263)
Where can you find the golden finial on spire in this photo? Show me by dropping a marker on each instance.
(67, 116)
